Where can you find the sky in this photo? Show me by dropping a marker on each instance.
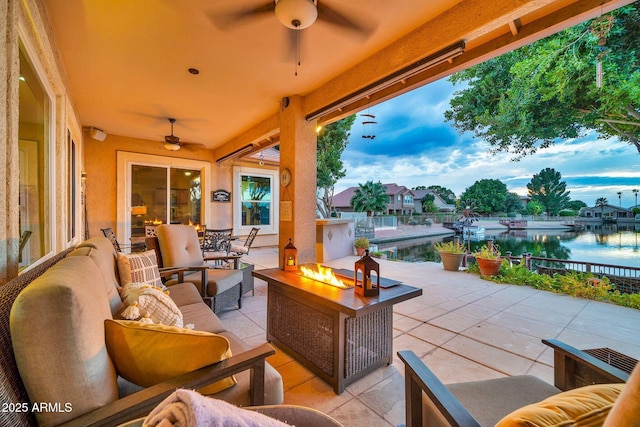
(414, 145)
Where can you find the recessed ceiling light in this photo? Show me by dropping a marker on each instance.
(194, 71)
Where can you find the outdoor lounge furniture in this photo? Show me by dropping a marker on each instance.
(52, 331)
(246, 246)
(111, 235)
(217, 242)
(483, 403)
(178, 246)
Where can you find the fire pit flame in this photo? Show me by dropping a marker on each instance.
(324, 275)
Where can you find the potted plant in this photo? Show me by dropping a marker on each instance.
(489, 260)
(361, 244)
(451, 254)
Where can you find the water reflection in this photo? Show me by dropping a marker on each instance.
(608, 244)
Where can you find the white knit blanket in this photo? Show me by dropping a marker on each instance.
(188, 408)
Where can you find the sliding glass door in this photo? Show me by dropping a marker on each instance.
(153, 204)
(155, 190)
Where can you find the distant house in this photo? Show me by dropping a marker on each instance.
(441, 204)
(606, 211)
(400, 200)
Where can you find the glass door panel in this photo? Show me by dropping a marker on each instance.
(148, 197)
(186, 197)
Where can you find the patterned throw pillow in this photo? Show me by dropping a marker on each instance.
(139, 268)
(145, 301)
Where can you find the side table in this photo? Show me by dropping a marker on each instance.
(247, 278)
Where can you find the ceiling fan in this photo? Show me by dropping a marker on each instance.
(296, 15)
(172, 142)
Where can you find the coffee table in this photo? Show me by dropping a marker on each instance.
(338, 335)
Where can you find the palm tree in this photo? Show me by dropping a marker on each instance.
(619, 198)
(602, 202)
(370, 197)
(635, 193)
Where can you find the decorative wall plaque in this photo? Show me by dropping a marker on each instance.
(220, 196)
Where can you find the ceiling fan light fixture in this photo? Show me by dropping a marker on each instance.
(296, 14)
(171, 147)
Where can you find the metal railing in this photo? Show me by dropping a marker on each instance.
(626, 279)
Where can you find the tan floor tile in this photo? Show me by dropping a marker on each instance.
(408, 342)
(354, 413)
(507, 339)
(294, 374)
(492, 357)
(405, 324)
(432, 334)
(454, 322)
(316, 394)
(537, 328)
(386, 398)
(452, 368)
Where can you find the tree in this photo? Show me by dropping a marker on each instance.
(576, 205)
(444, 193)
(488, 195)
(370, 197)
(547, 189)
(332, 141)
(534, 208)
(512, 203)
(602, 202)
(428, 203)
(528, 98)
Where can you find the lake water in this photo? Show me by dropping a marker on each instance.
(606, 244)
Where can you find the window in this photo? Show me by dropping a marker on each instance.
(408, 199)
(35, 158)
(254, 202)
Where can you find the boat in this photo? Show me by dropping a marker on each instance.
(473, 232)
(514, 224)
(574, 225)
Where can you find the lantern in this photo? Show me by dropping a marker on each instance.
(364, 284)
(290, 257)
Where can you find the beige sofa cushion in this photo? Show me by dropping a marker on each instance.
(101, 251)
(68, 363)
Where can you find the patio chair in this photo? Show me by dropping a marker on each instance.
(178, 246)
(24, 238)
(483, 403)
(111, 235)
(244, 248)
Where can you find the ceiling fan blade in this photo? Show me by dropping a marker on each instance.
(192, 146)
(331, 16)
(225, 20)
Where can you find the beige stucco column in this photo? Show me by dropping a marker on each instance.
(298, 199)
(9, 113)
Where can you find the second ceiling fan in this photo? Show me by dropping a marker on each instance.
(172, 142)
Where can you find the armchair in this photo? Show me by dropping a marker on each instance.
(178, 246)
(483, 403)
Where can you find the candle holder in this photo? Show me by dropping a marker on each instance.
(364, 283)
(290, 261)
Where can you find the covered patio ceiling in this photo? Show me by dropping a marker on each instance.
(127, 62)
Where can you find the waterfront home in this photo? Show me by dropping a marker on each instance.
(608, 211)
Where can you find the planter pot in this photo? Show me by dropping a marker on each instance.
(489, 267)
(450, 261)
(360, 251)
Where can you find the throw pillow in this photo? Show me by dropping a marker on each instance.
(148, 354)
(148, 301)
(581, 407)
(139, 268)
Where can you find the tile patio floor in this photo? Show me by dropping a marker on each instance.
(464, 328)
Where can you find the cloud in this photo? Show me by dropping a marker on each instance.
(415, 146)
